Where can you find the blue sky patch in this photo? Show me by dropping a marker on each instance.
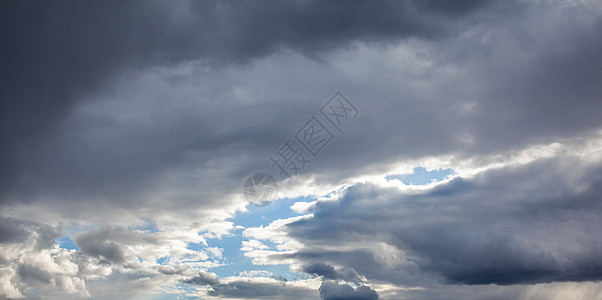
(422, 176)
(65, 242)
(254, 217)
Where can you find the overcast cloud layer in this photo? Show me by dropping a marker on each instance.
(128, 129)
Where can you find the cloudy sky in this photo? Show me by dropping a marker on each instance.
(419, 149)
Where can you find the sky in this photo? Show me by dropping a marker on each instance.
(340, 150)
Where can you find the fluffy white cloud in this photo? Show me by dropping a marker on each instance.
(35, 262)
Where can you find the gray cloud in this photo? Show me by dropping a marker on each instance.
(505, 226)
(17, 231)
(253, 290)
(69, 52)
(103, 243)
(275, 288)
(138, 112)
(321, 269)
(203, 278)
(327, 271)
(333, 291)
(29, 260)
(10, 231)
(445, 99)
(111, 261)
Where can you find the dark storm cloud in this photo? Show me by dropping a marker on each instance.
(502, 103)
(510, 80)
(469, 77)
(529, 224)
(57, 53)
(519, 82)
(554, 95)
